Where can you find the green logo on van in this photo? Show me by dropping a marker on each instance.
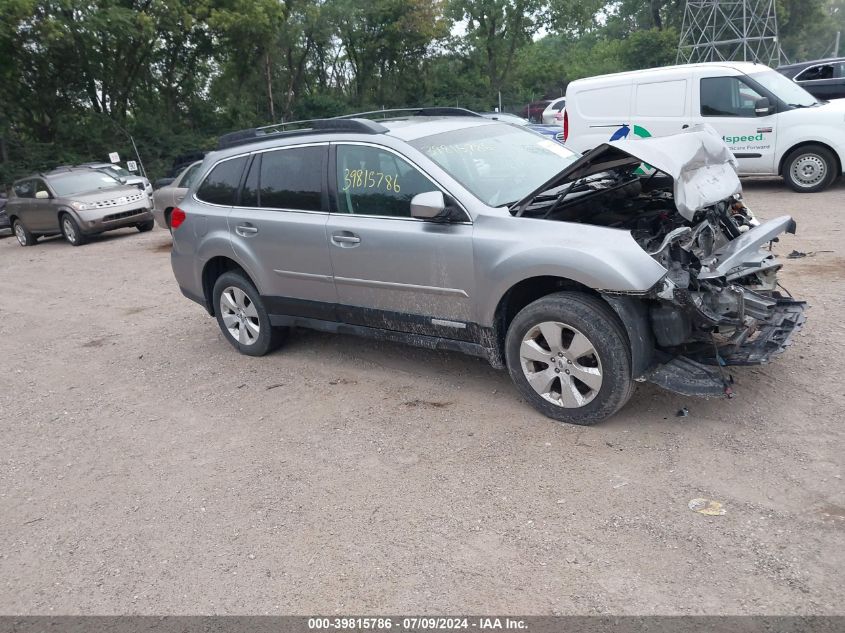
(732, 140)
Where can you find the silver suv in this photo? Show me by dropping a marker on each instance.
(580, 274)
(77, 203)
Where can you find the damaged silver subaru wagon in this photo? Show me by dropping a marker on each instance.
(581, 275)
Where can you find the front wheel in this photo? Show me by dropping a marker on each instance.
(569, 357)
(71, 232)
(809, 169)
(24, 235)
(242, 317)
(146, 226)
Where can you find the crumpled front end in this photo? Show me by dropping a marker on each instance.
(720, 302)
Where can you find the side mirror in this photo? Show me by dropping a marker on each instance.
(762, 107)
(42, 195)
(122, 180)
(428, 205)
(163, 182)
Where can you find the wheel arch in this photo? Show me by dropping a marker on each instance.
(807, 143)
(630, 311)
(211, 272)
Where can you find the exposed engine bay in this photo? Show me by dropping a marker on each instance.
(720, 302)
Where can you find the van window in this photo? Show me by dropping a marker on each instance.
(221, 185)
(727, 96)
(612, 101)
(665, 98)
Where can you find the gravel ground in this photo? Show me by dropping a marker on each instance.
(146, 467)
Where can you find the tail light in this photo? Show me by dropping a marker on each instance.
(565, 125)
(176, 218)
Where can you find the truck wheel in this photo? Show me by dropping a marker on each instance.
(242, 317)
(70, 230)
(25, 237)
(569, 357)
(809, 169)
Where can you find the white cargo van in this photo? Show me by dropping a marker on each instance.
(772, 125)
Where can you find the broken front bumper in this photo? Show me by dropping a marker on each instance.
(706, 376)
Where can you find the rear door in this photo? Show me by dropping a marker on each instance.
(279, 225)
(391, 270)
(727, 103)
(21, 206)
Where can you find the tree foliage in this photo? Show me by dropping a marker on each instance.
(77, 77)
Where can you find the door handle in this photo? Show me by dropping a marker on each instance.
(345, 239)
(246, 230)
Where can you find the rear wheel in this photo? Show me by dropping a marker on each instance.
(809, 169)
(569, 357)
(24, 235)
(242, 317)
(70, 230)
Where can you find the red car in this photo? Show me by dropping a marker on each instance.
(534, 110)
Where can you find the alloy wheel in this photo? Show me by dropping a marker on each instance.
(20, 234)
(239, 315)
(561, 364)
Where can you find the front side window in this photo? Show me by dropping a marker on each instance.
(25, 189)
(373, 181)
(221, 184)
(727, 96)
(814, 73)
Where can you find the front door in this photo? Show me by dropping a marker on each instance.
(279, 224)
(391, 270)
(727, 103)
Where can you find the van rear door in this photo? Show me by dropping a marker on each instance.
(727, 102)
(598, 112)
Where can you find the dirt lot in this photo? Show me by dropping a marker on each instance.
(146, 467)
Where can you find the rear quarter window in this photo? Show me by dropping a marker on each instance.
(221, 184)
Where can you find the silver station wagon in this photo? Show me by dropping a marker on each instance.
(436, 227)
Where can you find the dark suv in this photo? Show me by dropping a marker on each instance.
(77, 203)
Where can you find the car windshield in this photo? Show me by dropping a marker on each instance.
(117, 170)
(81, 182)
(500, 164)
(785, 89)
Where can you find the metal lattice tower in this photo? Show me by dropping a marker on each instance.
(730, 30)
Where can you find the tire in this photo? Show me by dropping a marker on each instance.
(809, 169)
(146, 226)
(576, 320)
(24, 235)
(243, 311)
(70, 230)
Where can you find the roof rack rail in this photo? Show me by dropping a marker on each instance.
(308, 126)
(422, 111)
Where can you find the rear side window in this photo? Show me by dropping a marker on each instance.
(727, 96)
(292, 178)
(558, 105)
(221, 184)
(815, 73)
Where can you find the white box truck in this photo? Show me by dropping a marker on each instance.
(772, 125)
